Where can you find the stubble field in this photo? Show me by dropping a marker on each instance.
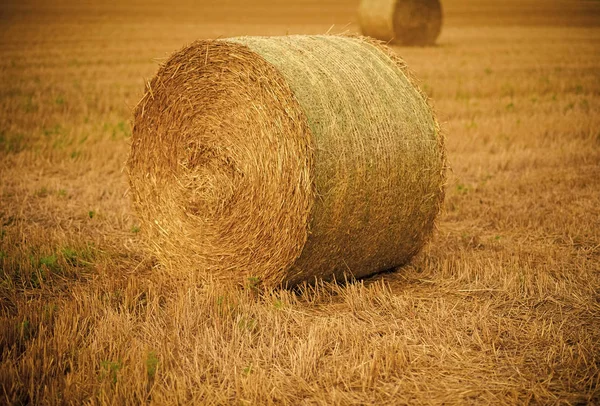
(502, 307)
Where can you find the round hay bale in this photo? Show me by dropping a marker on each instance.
(285, 159)
(406, 22)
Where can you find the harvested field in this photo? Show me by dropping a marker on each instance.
(502, 307)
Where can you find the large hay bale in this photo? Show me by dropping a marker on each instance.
(406, 22)
(285, 159)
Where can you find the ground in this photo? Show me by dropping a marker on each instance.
(502, 307)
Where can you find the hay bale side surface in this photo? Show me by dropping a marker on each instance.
(406, 22)
(286, 158)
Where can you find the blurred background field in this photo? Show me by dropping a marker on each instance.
(502, 307)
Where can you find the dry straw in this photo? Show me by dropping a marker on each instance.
(285, 159)
(406, 22)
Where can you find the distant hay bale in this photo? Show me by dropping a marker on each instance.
(406, 22)
(285, 159)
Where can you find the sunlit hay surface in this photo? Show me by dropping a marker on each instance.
(502, 307)
(405, 22)
(285, 159)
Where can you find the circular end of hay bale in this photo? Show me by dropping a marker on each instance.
(405, 22)
(220, 165)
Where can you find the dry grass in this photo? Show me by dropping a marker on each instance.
(503, 307)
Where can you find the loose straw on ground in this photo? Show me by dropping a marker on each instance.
(285, 159)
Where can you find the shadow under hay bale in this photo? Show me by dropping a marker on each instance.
(405, 22)
(285, 159)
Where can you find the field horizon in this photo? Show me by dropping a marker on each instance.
(502, 306)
